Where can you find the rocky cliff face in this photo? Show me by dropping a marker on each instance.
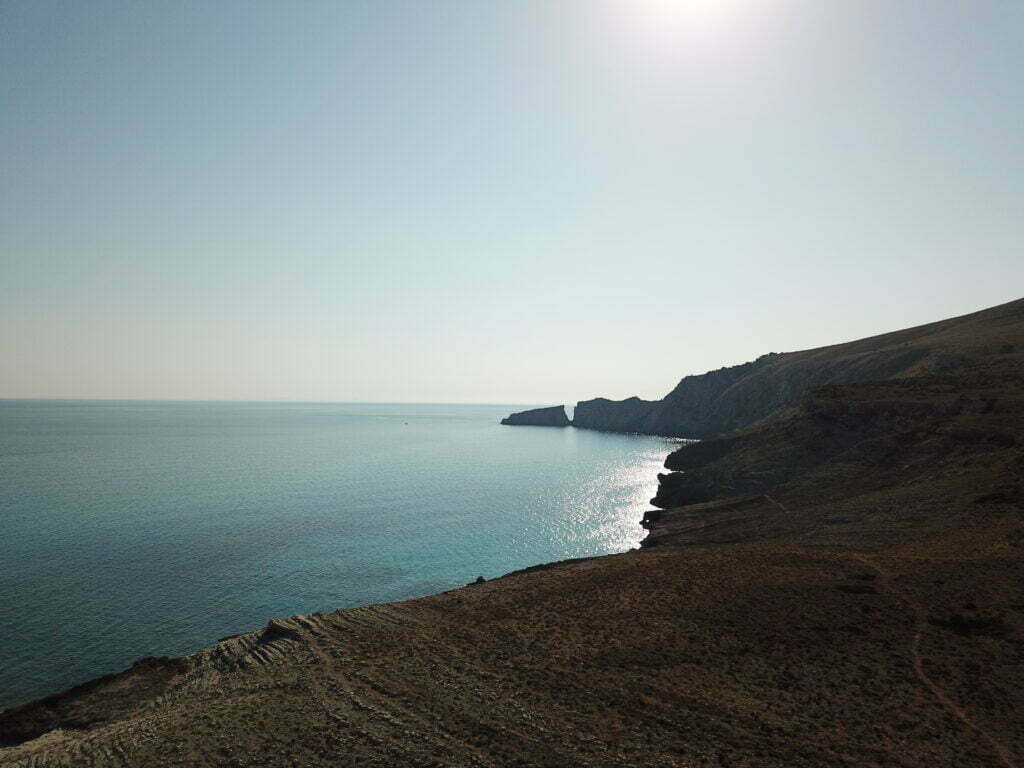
(954, 438)
(630, 415)
(739, 396)
(936, 408)
(692, 409)
(539, 417)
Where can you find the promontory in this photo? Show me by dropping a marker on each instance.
(539, 417)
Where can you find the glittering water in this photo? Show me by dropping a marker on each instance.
(130, 529)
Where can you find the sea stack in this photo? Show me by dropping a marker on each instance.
(539, 417)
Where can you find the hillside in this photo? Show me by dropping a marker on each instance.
(732, 398)
(842, 585)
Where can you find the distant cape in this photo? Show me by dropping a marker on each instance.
(728, 399)
(539, 417)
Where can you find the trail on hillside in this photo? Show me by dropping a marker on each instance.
(920, 623)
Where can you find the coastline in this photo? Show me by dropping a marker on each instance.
(163, 552)
(837, 585)
(415, 674)
(244, 637)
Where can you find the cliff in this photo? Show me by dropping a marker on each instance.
(961, 412)
(902, 430)
(736, 397)
(631, 415)
(539, 417)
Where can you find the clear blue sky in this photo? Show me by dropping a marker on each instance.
(500, 201)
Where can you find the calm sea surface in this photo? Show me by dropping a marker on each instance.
(134, 528)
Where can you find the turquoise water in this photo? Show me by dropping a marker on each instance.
(132, 529)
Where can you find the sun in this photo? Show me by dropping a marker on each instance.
(692, 15)
(683, 8)
(667, 32)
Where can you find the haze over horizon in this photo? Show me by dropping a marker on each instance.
(518, 202)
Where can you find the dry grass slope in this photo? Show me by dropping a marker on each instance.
(776, 654)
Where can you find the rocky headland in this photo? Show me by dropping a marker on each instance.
(839, 582)
(539, 417)
(732, 398)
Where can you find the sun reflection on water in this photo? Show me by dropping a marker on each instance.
(603, 515)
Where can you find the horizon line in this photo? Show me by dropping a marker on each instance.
(259, 402)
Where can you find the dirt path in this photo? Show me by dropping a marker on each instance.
(1006, 757)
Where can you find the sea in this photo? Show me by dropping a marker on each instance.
(153, 528)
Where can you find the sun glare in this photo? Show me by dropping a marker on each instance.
(666, 31)
(689, 17)
(676, 9)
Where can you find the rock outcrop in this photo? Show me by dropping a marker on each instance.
(539, 417)
(922, 427)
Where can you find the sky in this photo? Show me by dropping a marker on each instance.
(502, 201)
